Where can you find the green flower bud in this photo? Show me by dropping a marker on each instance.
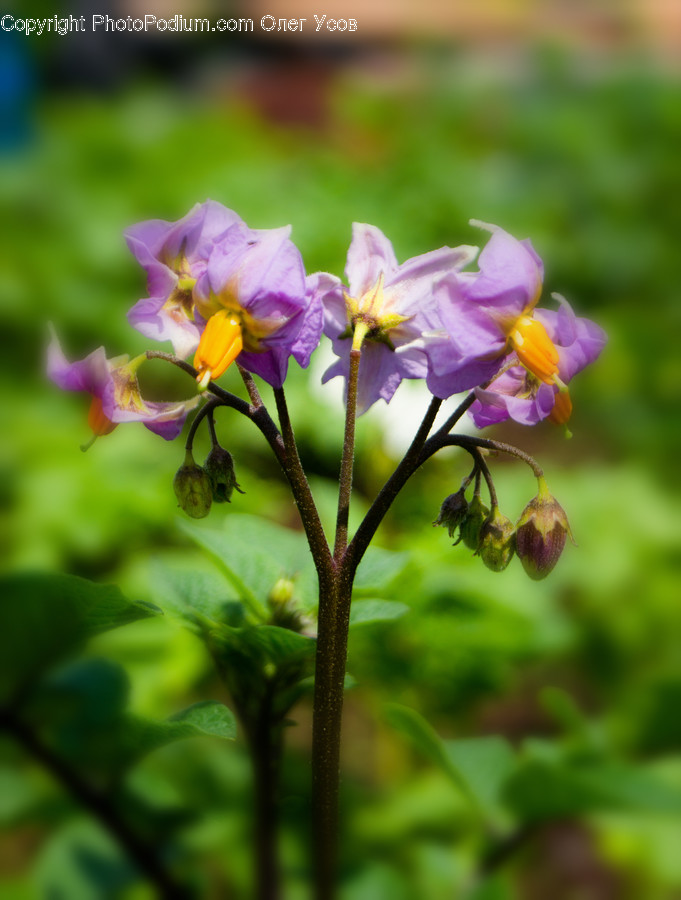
(453, 511)
(497, 541)
(540, 534)
(472, 524)
(220, 468)
(284, 610)
(193, 488)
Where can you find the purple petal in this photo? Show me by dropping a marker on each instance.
(370, 253)
(153, 321)
(90, 374)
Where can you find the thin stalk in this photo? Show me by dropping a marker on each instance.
(207, 410)
(347, 458)
(301, 490)
(438, 441)
(406, 468)
(145, 856)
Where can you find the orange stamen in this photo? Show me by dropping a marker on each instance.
(220, 344)
(98, 422)
(562, 408)
(534, 348)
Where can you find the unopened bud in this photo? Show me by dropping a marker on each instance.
(497, 541)
(472, 524)
(540, 534)
(193, 488)
(282, 604)
(220, 468)
(452, 512)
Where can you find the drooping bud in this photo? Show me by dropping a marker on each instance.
(497, 541)
(220, 468)
(453, 512)
(540, 533)
(193, 489)
(472, 524)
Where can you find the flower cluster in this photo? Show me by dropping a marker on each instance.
(225, 292)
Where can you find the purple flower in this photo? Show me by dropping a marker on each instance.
(480, 313)
(392, 304)
(255, 281)
(175, 255)
(115, 392)
(520, 395)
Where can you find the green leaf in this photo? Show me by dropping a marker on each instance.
(45, 617)
(483, 764)
(364, 611)
(378, 569)
(425, 739)
(479, 767)
(256, 553)
(81, 860)
(540, 790)
(267, 644)
(207, 718)
(195, 597)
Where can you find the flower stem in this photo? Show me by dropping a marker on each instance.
(406, 468)
(347, 459)
(332, 641)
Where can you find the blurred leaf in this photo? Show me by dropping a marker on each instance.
(426, 740)
(378, 569)
(479, 767)
(363, 612)
(267, 644)
(195, 596)
(483, 764)
(208, 718)
(541, 790)
(81, 860)
(256, 553)
(44, 617)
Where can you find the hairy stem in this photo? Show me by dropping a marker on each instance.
(332, 641)
(347, 459)
(301, 490)
(438, 441)
(406, 468)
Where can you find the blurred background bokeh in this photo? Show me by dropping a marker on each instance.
(560, 121)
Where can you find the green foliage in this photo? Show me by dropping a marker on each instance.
(44, 618)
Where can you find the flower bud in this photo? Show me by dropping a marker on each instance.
(283, 606)
(453, 511)
(473, 522)
(497, 541)
(220, 468)
(193, 488)
(540, 534)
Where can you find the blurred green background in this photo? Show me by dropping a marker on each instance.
(571, 142)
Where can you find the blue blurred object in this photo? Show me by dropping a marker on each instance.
(17, 83)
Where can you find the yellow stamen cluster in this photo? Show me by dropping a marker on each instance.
(370, 315)
(535, 349)
(220, 344)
